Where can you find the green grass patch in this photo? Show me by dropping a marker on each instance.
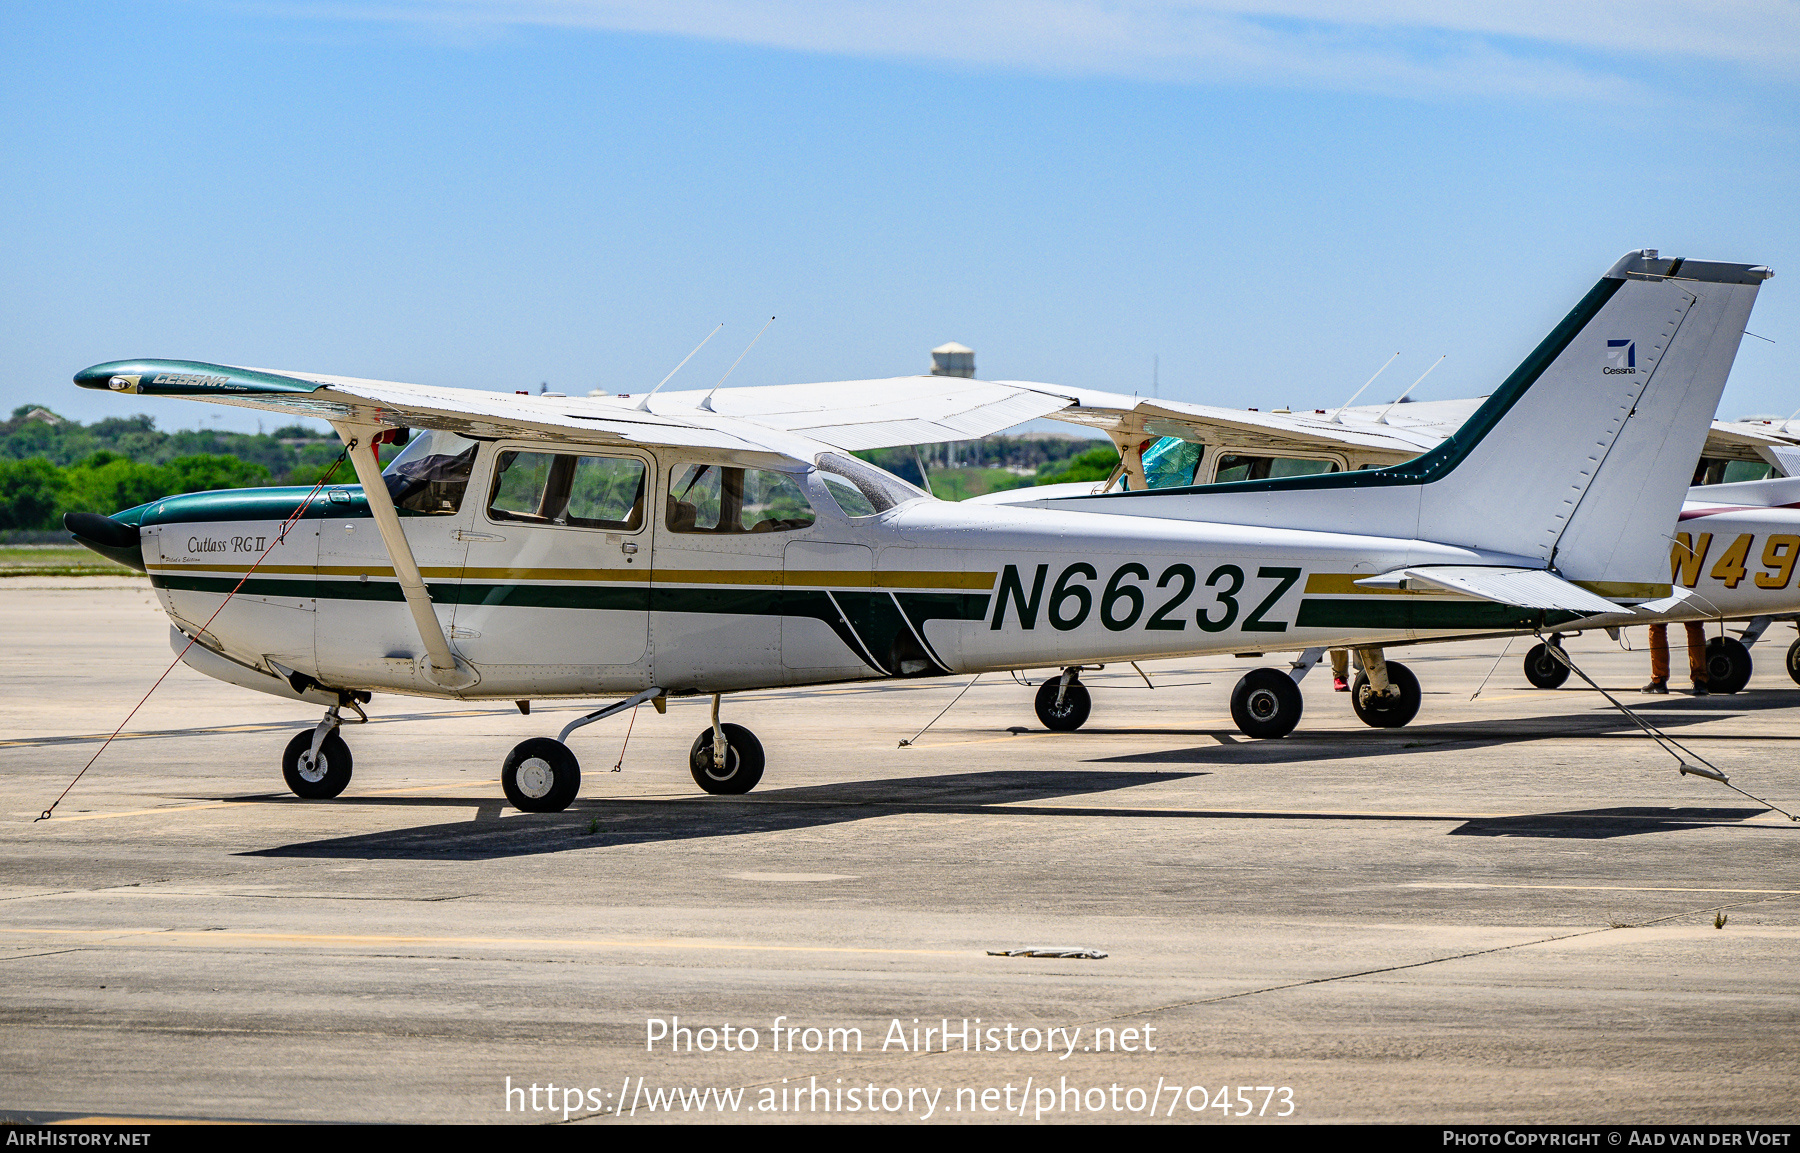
(57, 560)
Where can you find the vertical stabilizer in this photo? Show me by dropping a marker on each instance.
(1578, 460)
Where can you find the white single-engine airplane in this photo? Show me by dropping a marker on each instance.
(645, 547)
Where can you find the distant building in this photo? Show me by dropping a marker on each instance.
(51, 418)
(953, 359)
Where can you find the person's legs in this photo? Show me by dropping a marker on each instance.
(1340, 670)
(1659, 659)
(1696, 638)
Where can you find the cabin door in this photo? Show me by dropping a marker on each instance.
(555, 596)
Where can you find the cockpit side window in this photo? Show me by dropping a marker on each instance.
(605, 492)
(432, 473)
(722, 499)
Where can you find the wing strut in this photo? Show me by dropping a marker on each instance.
(444, 669)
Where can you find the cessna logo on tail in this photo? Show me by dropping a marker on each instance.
(1621, 356)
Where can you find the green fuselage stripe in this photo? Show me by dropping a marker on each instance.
(1410, 613)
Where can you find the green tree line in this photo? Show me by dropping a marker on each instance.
(50, 465)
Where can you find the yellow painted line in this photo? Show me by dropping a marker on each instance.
(981, 741)
(99, 1119)
(185, 937)
(1589, 888)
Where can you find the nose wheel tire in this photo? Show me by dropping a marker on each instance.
(1542, 668)
(1266, 703)
(318, 780)
(743, 761)
(1071, 714)
(1728, 665)
(1793, 661)
(1385, 711)
(541, 776)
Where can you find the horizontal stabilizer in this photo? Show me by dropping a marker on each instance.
(1523, 587)
(1666, 604)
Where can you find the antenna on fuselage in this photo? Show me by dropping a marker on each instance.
(707, 402)
(1382, 419)
(644, 404)
(1338, 416)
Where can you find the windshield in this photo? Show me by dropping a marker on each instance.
(882, 489)
(431, 475)
(1170, 462)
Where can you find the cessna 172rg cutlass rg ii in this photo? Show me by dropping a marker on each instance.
(540, 546)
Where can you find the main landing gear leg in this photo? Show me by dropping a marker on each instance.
(1267, 702)
(541, 775)
(1063, 703)
(725, 759)
(1386, 694)
(1542, 667)
(316, 764)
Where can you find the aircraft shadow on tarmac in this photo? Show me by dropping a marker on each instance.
(652, 821)
(1306, 746)
(1601, 824)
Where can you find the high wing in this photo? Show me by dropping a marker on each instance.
(1378, 434)
(1128, 418)
(861, 414)
(796, 420)
(468, 412)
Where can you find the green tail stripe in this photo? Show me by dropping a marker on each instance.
(1411, 613)
(1437, 463)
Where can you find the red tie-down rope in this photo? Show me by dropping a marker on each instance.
(286, 526)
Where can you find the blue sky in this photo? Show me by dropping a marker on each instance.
(1270, 196)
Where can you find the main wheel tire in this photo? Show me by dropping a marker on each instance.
(1793, 661)
(1385, 711)
(319, 781)
(1542, 668)
(1077, 703)
(1266, 703)
(743, 761)
(541, 776)
(1727, 665)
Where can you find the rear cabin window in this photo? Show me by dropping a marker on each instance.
(712, 498)
(604, 492)
(1232, 467)
(1717, 470)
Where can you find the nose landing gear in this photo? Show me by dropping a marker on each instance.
(316, 764)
